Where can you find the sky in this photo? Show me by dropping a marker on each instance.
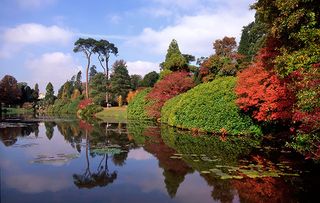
(37, 36)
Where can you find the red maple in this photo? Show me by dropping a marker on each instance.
(263, 93)
(167, 88)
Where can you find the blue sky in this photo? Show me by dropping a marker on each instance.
(37, 36)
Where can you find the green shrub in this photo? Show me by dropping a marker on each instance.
(64, 106)
(209, 107)
(90, 110)
(136, 107)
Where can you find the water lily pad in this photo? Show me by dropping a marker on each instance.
(205, 172)
(175, 157)
(237, 177)
(224, 177)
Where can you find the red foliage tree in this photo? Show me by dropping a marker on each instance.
(167, 88)
(306, 84)
(262, 92)
(84, 103)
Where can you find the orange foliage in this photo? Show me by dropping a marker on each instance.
(131, 94)
(261, 92)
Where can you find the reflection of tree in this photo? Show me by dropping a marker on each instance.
(11, 131)
(49, 129)
(174, 171)
(101, 178)
(263, 190)
(72, 133)
(224, 152)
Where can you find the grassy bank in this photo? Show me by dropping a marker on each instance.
(12, 111)
(113, 114)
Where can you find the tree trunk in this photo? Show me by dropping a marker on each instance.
(87, 77)
(107, 76)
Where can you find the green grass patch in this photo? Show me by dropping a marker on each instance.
(113, 114)
(13, 111)
(209, 107)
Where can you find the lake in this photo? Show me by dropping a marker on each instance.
(65, 160)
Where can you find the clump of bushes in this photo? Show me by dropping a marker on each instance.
(87, 108)
(209, 107)
(137, 106)
(170, 86)
(90, 110)
(64, 106)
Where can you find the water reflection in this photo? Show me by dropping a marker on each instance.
(166, 164)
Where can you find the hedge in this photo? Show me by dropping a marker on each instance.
(209, 107)
(136, 107)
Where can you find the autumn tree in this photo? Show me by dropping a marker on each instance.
(223, 63)
(296, 26)
(86, 46)
(9, 91)
(120, 79)
(170, 86)
(225, 47)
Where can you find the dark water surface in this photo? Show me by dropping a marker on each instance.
(73, 161)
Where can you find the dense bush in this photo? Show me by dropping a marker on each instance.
(64, 106)
(137, 106)
(209, 107)
(167, 88)
(90, 110)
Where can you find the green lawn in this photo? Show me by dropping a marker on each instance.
(113, 114)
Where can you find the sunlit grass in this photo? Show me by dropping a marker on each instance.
(113, 114)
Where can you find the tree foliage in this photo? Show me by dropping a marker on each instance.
(98, 87)
(172, 85)
(49, 97)
(174, 59)
(223, 63)
(119, 80)
(9, 90)
(150, 79)
(135, 81)
(104, 48)
(86, 46)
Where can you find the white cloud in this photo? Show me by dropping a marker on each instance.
(15, 39)
(55, 67)
(139, 154)
(32, 33)
(30, 4)
(196, 32)
(142, 67)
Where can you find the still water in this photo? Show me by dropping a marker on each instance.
(60, 160)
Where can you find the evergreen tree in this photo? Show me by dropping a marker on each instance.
(120, 79)
(49, 97)
(35, 93)
(135, 81)
(93, 72)
(174, 59)
(150, 79)
(98, 88)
